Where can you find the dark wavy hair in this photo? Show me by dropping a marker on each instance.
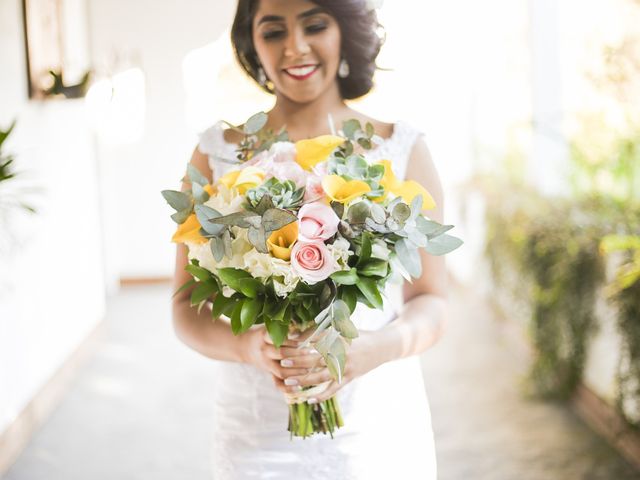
(360, 42)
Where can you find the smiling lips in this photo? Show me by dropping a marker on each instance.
(301, 72)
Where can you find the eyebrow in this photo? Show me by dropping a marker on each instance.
(277, 18)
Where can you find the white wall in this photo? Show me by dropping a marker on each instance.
(51, 271)
(155, 36)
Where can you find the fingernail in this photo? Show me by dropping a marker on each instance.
(291, 381)
(294, 335)
(312, 400)
(286, 362)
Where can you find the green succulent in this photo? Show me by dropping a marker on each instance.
(284, 195)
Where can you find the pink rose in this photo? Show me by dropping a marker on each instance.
(280, 162)
(313, 261)
(314, 190)
(317, 222)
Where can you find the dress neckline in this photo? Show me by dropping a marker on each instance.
(385, 141)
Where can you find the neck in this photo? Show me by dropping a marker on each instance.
(306, 120)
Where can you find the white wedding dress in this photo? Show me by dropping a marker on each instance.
(387, 432)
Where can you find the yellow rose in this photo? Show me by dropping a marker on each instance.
(339, 190)
(243, 180)
(315, 150)
(189, 231)
(281, 241)
(408, 189)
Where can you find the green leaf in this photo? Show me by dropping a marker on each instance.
(236, 323)
(250, 311)
(349, 294)
(278, 331)
(222, 305)
(196, 176)
(374, 267)
(358, 212)
(251, 287)
(178, 200)
(280, 312)
(181, 216)
(365, 249)
(199, 195)
(409, 257)
(340, 318)
(345, 277)
(200, 273)
(232, 277)
(369, 289)
(255, 123)
(443, 244)
(184, 286)
(205, 214)
(202, 292)
(350, 127)
(238, 219)
(275, 218)
(430, 228)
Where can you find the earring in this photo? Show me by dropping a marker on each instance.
(262, 77)
(343, 69)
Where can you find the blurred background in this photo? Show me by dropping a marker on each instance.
(531, 111)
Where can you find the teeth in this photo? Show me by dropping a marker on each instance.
(301, 71)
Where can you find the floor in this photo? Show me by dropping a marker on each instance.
(140, 408)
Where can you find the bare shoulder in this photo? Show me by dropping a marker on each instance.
(422, 169)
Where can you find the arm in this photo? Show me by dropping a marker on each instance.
(422, 320)
(213, 339)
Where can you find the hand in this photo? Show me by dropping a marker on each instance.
(258, 350)
(359, 361)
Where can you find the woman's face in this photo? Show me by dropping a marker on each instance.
(298, 45)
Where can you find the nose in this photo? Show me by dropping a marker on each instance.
(296, 44)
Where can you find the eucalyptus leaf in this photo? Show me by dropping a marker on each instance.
(350, 127)
(417, 238)
(341, 320)
(196, 176)
(217, 248)
(430, 228)
(199, 194)
(179, 201)
(409, 257)
(258, 238)
(275, 218)
(443, 244)
(378, 214)
(416, 207)
(205, 214)
(265, 203)
(255, 123)
(358, 212)
(401, 212)
(181, 216)
(226, 239)
(238, 219)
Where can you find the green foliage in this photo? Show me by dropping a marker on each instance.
(555, 248)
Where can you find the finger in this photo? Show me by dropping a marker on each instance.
(311, 378)
(279, 383)
(283, 372)
(304, 361)
(330, 391)
(287, 352)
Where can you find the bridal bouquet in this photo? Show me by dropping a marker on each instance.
(296, 237)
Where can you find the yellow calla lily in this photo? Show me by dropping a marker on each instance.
(312, 151)
(189, 231)
(339, 190)
(281, 241)
(243, 180)
(407, 189)
(210, 190)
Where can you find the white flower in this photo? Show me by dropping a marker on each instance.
(263, 266)
(225, 201)
(340, 251)
(202, 253)
(379, 249)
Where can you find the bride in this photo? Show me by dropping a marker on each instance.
(312, 56)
